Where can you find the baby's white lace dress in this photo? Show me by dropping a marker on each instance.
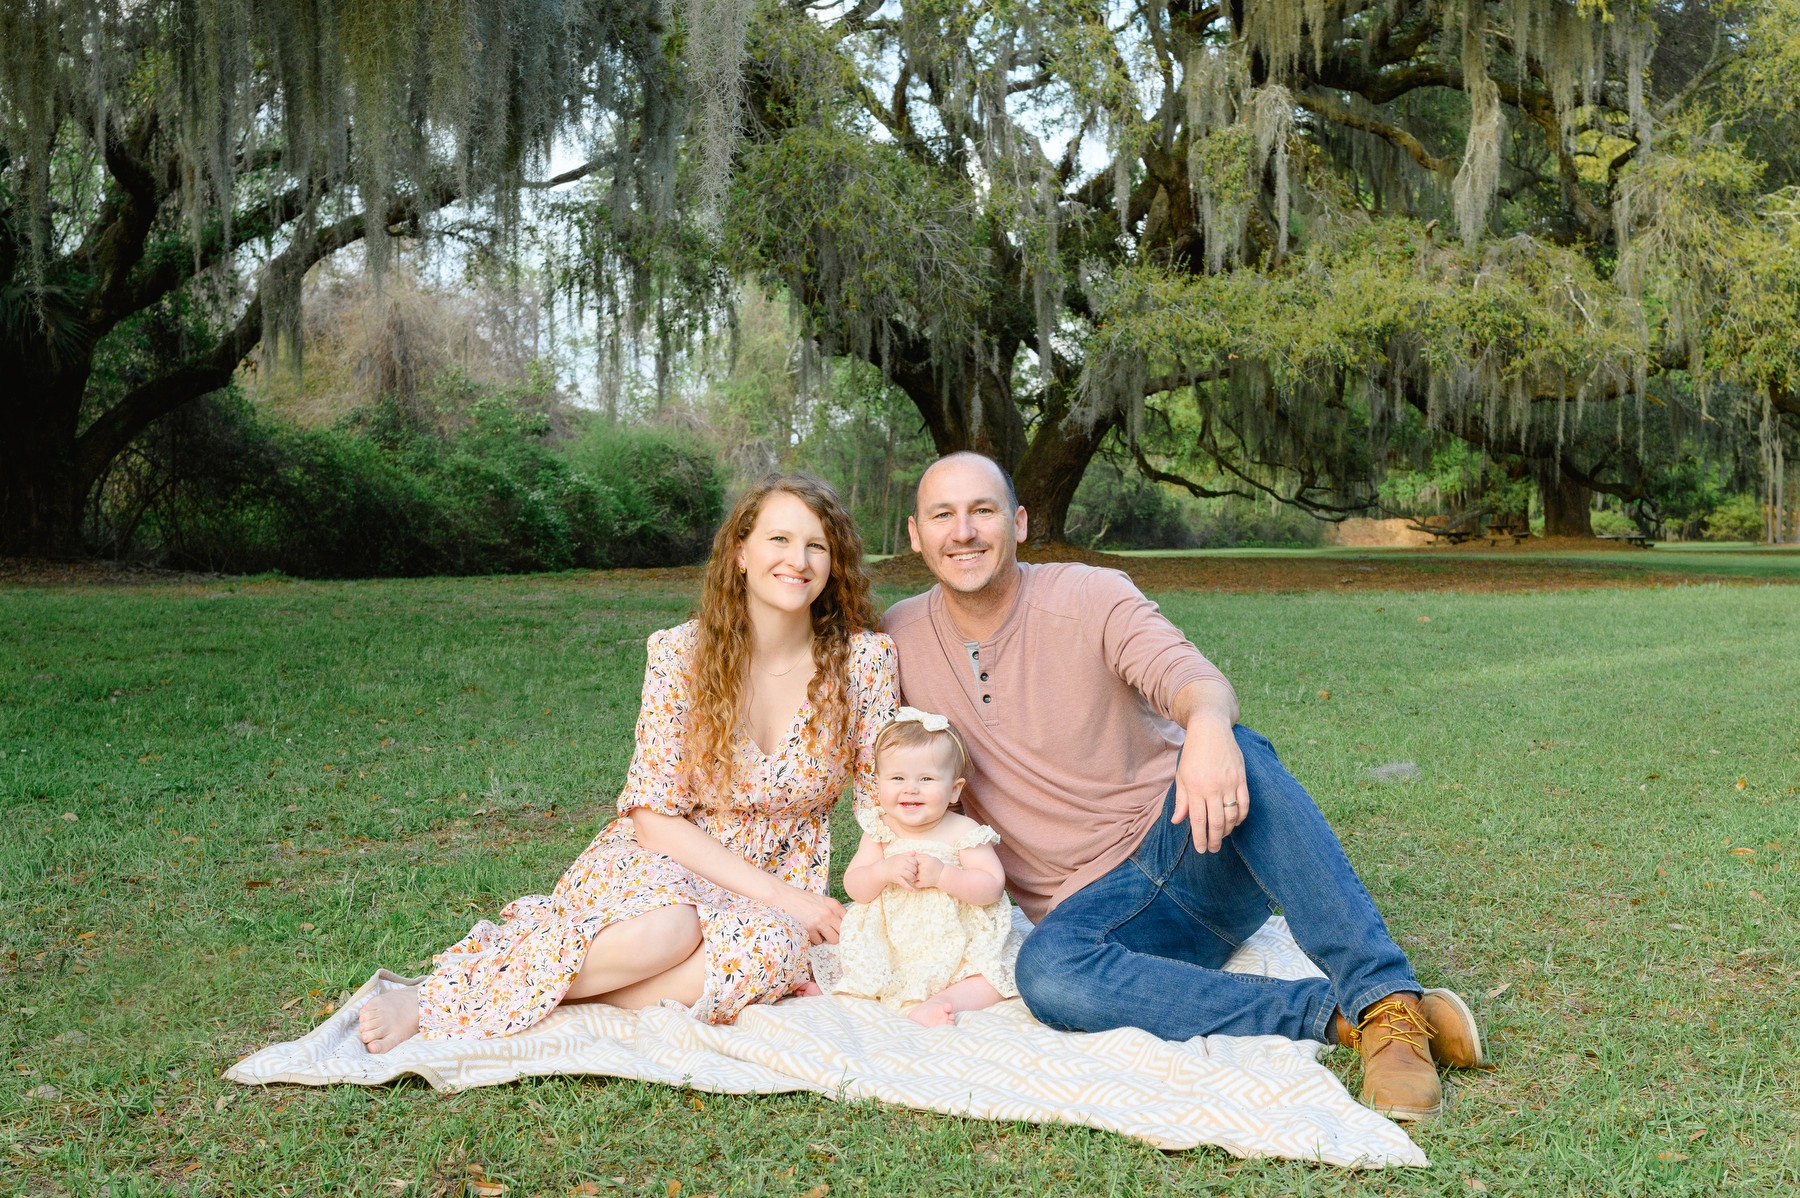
(907, 945)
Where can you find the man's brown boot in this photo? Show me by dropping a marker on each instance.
(1455, 1037)
(1394, 1040)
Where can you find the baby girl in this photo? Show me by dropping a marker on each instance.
(928, 932)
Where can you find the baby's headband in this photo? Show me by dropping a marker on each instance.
(932, 720)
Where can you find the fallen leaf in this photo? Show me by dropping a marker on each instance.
(586, 1187)
(696, 1104)
(1743, 852)
(1502, 988)
(191, 1167)
(1671, 1156)
(223, 1101)
(1696, 1135)
(400, 1183)
(486, 1189)
(306, 927)
(674, 1189)
(254, 885)
(818, 1191)
(479, 811)
(1678, 927)
(1757, 895)
(292, 807)
(1324, 694)
(87, 935)
(1741, 784)
(47, 1093)
(70, 816)
(1476, 1184)
(1424, 619)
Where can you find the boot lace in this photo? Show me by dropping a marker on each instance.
(1404, 1023)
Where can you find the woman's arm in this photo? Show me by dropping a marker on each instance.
(979, 881)
(690, 846)
(872, 872)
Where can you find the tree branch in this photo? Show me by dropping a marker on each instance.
(1324, 107)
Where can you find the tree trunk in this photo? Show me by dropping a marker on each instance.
(1566, 502)
(42, 488)
(1050, 472)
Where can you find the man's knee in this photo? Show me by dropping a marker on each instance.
(1055, 980)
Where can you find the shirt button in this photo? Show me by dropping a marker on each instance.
(984, 677)
(987, 698)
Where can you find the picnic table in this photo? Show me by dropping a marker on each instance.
(1634, 538)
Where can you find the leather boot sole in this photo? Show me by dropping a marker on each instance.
(1454, 1001)
(1409, 1114)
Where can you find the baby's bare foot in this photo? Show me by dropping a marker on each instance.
(933, 1012)
(389, 1020)
(807, 990)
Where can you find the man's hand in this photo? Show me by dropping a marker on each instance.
(1209, 781)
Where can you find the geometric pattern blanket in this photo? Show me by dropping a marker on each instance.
(1253, 1096)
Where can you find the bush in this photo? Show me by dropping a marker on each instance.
(387, 494)
(669, 497)
(1739, 518)
(1117, 509)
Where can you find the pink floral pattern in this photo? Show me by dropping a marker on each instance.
(503, 978)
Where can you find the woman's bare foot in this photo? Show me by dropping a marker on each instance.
(389, 1020)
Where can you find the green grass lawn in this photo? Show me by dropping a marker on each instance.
(226, 804)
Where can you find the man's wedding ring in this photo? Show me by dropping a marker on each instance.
(1233, 803)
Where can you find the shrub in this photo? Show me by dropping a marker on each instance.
(1119, 509)
(669, 496)
(1738, 518)
(386, 494)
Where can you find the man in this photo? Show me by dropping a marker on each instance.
(1095, 731)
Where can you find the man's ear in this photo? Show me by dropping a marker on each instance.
(912, 534)
(1019, 525)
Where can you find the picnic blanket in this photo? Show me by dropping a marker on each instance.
(1250, 1095)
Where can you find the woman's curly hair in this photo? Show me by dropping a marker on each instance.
(721, 664)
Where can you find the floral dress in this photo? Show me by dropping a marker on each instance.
(909, 944)
(502, 979)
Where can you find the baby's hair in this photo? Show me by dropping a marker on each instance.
(907, 734)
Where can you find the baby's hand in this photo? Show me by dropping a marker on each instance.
(930, 870)
(903, 870)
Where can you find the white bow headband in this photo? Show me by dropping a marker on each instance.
(932, 720)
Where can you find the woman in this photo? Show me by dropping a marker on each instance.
(708, 888)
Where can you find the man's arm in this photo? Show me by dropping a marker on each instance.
(1209, 782)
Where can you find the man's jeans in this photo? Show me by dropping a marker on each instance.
(1143, 946)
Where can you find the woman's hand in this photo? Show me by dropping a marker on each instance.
(930, 870)
(819, 914)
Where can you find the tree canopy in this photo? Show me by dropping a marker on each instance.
(1273, 248)
(170, 170)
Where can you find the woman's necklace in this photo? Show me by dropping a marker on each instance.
(781, 673)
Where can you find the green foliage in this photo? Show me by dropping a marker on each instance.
(1738, 518)
(385, 494)
(861, 232)
(666, 492)
(1118, 508)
